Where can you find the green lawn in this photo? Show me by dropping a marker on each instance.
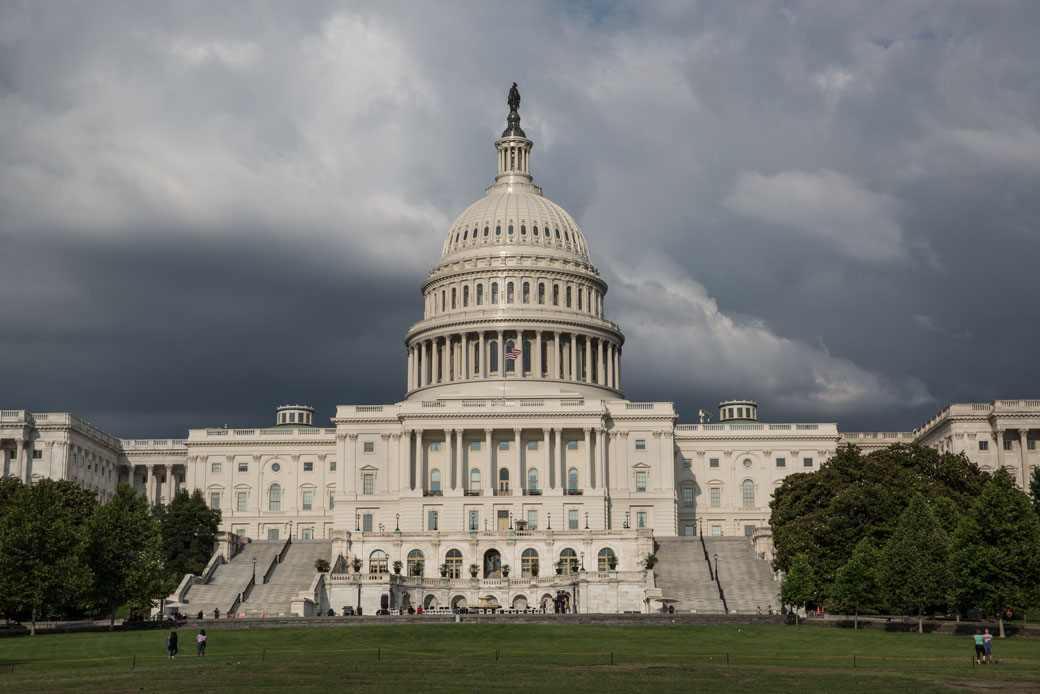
(516, 658)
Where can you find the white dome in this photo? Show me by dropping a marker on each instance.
(515, 215)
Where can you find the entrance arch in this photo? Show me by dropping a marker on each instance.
(459, 602)
(492, 564)
(430, 602)
(520, 602)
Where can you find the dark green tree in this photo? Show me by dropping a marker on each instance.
(799, 586)
(188, 529)
(123, 550)
(856, 586)
(996, 551)
(826, 513)
(41, 549)
(947, 513)
(1034, 489)
(913, 574)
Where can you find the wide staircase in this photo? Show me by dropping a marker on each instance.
(294, 574)
(683, 576)
(230, 579)
(747, 581)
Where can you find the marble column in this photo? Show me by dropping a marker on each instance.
(590, 481)
(536, 358)
(586, 375)
(435, 376)
(1000, 448)
(490, 484)
(558, 433)
(522, 481)
(415, 469)
(556, 355)
(599, 363)
(464, 369)
(574, 358)
(1023, 445)
(149, 486)
(448, 477)
(459, 477)
(169, 482)
(501, 354)
(601, 470)
(548, 467)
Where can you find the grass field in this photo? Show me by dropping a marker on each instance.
(517, 658)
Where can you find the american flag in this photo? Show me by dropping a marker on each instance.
(513, 355)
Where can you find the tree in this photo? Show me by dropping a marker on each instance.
(123, 549)
(913, 572)
(856, 585)
(188, 528)
(1034, 489)
(799, 586)
(996, 551)
(826, 513)
(41, 547)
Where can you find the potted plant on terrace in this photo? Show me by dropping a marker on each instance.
(505, 570)
(444, 570)
(534, 569)
(397, 566)
(473, 569)
(612, 562)
(321, 566)
(559, 567)
(650, 561)
(356, 564)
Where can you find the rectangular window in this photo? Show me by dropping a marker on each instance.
(749, 530)
(781, 462)
(432, 521)
(572, 519)
(689, 530)
(474, 445)
(640, 519)
(687, 496)
(1007, 444)
(532, 445)
(1030, 445)
(308, 534)
(716, 496)
(640, 444)
(366, 522)
(713, 462)
(243, 467)
(640, 481)
(686, 464)
(983, 445)
(572, 445)
(503, 445)
(272, 533)
(332, 466)
(241, 532)
(214, 467)
(435, 445)
(308, 500)
(242, 497)
(532, 520)
(474, 520)
(332, 500)
(37, 455)
(806, 462)
(370, 447)
(748, 494)
(308, 467)
(369, 483)
(214, 499)
(716, 531)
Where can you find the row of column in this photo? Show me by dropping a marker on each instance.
(513, 158)
(155, 490)
(456, 472)
(569, 356)
(1023, 446)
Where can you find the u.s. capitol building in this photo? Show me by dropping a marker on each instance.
(514, 446)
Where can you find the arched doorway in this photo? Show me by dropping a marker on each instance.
(492, 564)
(459, 602)
(520, 602)
(430, 602)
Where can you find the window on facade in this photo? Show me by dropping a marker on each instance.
(557, 233)
(781, 462)
(532, 479)
(494, 292)
(444, 299)
(465, 296)
(749, 530)
(1030, 445)
(493, 358)
(572, 445)
(366, 522)
(308, 534)
(308, 467)
(568, 297)
(242, 497)
(416, 563)
(716, 531)
(687, 496)
(474, 520)
(503, 479)
(377, 562)
(435, 480)
(308, 500)
(523, 230)
(480, 295)
(474, 445)
(528, 562)
(503, 445)
(369, 447)
(534, 230)
(332, 499)
(532, 519)
(527, 292)
(453, 297)
(498, 230)
(214, 467)
(640, 519)
(716, 496)
(541, 292)
(686, 464)
(747, 492)
(1007, 444)
(572, 519)
(272, 533)
(243, 467)
(274, 498)
(431, 520)
(556, 295)
(689, 530)
(532, 445)
(640, 481)
(572, 478)
(509, 292)
(368, 483)
(292, 417)
(214, 499)
(453, 560)
(332, 466)
(435, 445)
(983, 446)
(569, 561)
(713, 462)
(603, 559)
(474, 480)
(806, 462)
(640, 444)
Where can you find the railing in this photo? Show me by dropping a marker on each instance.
(285, 549)
(532, 492)
(249, 589)
(503, 492)
(432, 492)
(472, 492)
(573, 492)
(270, 569)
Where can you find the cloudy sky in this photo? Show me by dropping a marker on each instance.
(210, 209)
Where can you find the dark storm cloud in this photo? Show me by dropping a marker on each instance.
(209, 210)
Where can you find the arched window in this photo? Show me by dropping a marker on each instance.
(465, 234)
(416, 562)
(444, 299)
(503, 479)
(572, 478)
(274, 497)
(510, 230)
(529, 563)
(569, 562)
(465, 296)
(509, 292)
(527, 356)
(485, 231)
(523, 230)
(604, 558)
(474, 480)
(541, 292)
(527, 292)
(510, 363)
(556, 295)
(480, 294)
(532, 480)
(557, 234)
(453, 562)
(494, 292)
(498, 230)
(435, 480)
(535, 230)
(453, 298)
(377, 562)
(747, 491)
(580, 292)
(493, 365)
(568, 297)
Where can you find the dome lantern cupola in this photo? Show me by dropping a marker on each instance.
(514, 149)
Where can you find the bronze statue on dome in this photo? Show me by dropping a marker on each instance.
(514, 98)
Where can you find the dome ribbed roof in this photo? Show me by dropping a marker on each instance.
(515, 216)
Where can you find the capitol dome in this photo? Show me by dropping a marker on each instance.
(514, 306)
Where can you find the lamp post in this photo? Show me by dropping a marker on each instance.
(586, 520)
(548, 525)
(254, 569)
(716, 566)
(397, 522)
(290, 531)
(627, 513)
(510, 520)
(381, 527)
(583, 561)
(357, 521)
(485, 525)
(700, 527)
